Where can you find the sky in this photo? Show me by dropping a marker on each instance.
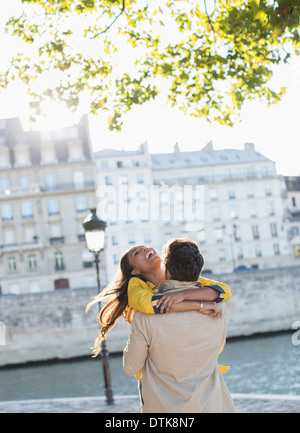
(274, 130)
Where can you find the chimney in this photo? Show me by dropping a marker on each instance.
(177, 151)
(143, 148)
(250, 147)
(209, 148)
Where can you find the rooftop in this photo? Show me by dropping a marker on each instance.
(206, 156)
(292, 183)
(111, 153)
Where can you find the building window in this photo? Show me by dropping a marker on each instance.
(131, 239)
(9, 236)
(140, 178)
(271, 209)
(78, 179)
(236, 233)
(252, 210)
(276, 248)
(219, 234)
(234, 212)
(32, 263)
(108, 180)
(12, 265)
(57, 241)
(104, 165)
(51, 182)
(114, 240)
(255, 232)
(201, 236)
(124, 179)
(59, 262)
(239, 252)
(221, 255)
(29, 233)
(231, 193)
(4, 184)
(147, 238)
(294, 204)
(258, 251)
(213, 194)
(116, 259)
(27, 210)
(265, 171)
(7, 214)
(81, 203)
(24, 182)
(268, 190)
(53, 206)
(216, 213)
(294, 231)
(250, 191)
(273, 228)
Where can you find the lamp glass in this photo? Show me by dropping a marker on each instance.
(95, 240)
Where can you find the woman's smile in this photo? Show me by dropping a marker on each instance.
(151, 253)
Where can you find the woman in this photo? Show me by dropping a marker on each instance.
(135, 286)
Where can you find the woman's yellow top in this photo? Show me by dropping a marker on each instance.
(142, 296)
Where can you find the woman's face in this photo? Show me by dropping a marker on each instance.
(143, 259)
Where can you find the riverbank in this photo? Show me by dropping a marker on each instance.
(53, 325)
(245, 403)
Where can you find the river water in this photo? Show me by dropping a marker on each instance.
(264, 365)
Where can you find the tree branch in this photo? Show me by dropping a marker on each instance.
(208, 17)
(104, 31)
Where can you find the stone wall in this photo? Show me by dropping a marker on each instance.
(53, 325)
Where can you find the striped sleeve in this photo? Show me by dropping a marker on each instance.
(155, 298)
(222, 288)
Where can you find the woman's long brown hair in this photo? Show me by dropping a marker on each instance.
(115, 294)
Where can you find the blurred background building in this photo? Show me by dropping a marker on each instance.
(47, 185)
(248, 215)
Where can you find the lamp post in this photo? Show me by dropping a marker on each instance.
(94, 234)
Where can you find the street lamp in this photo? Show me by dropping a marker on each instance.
(94, 234)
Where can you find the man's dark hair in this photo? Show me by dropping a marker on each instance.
(183, 260)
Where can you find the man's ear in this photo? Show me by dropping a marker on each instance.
(168, 275)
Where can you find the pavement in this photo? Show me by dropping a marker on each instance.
(245, 403)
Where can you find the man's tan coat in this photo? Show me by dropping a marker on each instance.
(178, 354)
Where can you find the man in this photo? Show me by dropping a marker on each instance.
(178, 352)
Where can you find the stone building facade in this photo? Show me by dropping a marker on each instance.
(242, 214)
(292, 202)
(47, 185)
(237, 211)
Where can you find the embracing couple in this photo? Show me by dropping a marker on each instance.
(173, 356)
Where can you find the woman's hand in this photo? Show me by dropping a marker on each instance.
(168, 301)
(212, 309)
